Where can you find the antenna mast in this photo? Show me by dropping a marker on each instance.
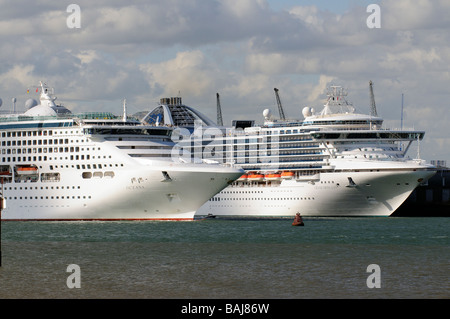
(401, 123)
(124, 118)
(401, 120)
(280, 107)
(219, 111)
(373, 108)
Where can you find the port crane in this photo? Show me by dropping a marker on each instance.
(219, 111)
(280, 107)
(373, 108)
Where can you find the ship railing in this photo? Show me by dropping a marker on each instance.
(79, 118)
(306, 129)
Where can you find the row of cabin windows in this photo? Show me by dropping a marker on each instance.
(27, 133)
(33, 133)
(40, 150)
(42, 187)
(87, 166)
(218, 199)
(47, 197)
(54, 141)
(41, 158)
(55, 177)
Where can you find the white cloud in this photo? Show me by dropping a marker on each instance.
(412, 59)
(309, 15)
(87, 56)
(410, 15)
(143, 51)
(188, 73)
(19, 77)
(318, 91)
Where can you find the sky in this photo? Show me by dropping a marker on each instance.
(145, 50)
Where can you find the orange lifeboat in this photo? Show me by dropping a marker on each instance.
(272, 177)
(26, 170)
(255, 177)
(243, 178)
(287, 175)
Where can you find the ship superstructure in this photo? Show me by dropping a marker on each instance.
(56, 165)
(335, 162)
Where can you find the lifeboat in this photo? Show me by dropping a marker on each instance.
(287, 175)
(26, 170)
(255, 177)
(243, 178)
(272, 177)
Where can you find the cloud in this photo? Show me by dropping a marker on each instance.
(411, 15)
(144, 50)
(188, 73)
(18, 76)
(318, 91)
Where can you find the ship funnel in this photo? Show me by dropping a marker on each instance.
(171, 101)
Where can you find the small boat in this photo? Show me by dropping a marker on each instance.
(272, 177)
(26, 170)
(287, 175)
(255, 177)
(298, 220)
(243, 177)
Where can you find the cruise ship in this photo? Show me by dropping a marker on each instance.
(56, 165)
(335, 162)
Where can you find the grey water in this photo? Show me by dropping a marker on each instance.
(227, 258)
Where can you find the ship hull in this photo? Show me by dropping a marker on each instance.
(144, 193)
(328, 194)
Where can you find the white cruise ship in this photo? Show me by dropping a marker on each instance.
(333, 163)
(56, 165)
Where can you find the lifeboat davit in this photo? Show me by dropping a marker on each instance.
(287, 175)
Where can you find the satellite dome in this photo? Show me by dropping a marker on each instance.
(30, 103)
(40, 110)
(267, 113)
(307, 111)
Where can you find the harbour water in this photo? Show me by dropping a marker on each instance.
(225, 258)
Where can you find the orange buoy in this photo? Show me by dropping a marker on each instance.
(298, 220)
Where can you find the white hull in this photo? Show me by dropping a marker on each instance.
(333, 163)
(138, 194)
(375, 194)
(95, 166)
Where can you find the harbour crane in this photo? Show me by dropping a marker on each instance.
(280, 107)
(373, 108)
(219, 111)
